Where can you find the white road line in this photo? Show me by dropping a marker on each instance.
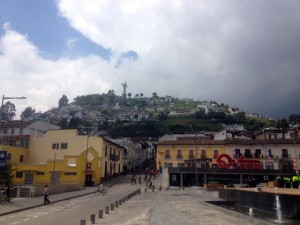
(16, 222)
(73, 207)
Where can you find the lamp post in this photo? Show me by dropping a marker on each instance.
(195, 140)
(54, 173)
(86, 157)
(151, 153)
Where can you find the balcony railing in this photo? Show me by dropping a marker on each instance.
(192, 156)
(168, 156)
(114, 157)
(179, 156)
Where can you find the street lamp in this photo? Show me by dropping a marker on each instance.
(86, 156)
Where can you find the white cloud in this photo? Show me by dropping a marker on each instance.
(241, 53)
(25, 73)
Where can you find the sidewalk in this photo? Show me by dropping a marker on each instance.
(165, 207)
(20, 204)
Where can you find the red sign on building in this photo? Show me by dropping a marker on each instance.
(88, 167)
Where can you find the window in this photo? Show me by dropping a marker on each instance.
(105, 150)
(248, 153)
(179, 154)
(257, 153)
(70, 173)
(64, 145)
(71, 162)
(12, 131)
(168, 156)
(21, 158)
(285, 153)
(236, 153)
(5, 131)
(216, 154)
(55, 146)
(191, 154)
(19, 174)
(21, 130)
(8, 157)
(40, 173)
(203, 154)
(269, 153)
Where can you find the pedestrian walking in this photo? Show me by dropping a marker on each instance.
(46, 195)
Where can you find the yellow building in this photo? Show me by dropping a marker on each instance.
(181, 153)
(64, 157)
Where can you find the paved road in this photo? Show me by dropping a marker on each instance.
(166, 207)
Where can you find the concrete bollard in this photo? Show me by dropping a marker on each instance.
(139, 191)
(82, 222)
(112, 206)
(145, 189)
(120, 201)
(100, 215)
(107, 210)
(116, 204)
(123, 199)
(93, 218)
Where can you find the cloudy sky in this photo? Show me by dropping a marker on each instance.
(242, 53)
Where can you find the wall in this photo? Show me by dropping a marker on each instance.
(290, 204)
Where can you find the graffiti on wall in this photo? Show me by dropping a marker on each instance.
(226, 162)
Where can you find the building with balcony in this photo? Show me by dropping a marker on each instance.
(227, 161)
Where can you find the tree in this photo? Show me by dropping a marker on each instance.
(154, 95)
(63, 123)
(111, 95)
(162, 116)
(136, 95)
(129, 95)
(136, 116)
(27, 113)
(141, 95)
(63, 101)
(8, 111)
(283, 125)
(6, 175)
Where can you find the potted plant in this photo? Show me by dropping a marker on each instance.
(295, 182)
(280, 182)
(287, 182)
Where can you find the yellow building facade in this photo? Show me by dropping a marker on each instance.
(65, 157)
(178, 153)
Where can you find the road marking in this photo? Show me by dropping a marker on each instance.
(74, 207)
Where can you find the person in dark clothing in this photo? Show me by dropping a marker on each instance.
(7, 192)
(46, 195)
